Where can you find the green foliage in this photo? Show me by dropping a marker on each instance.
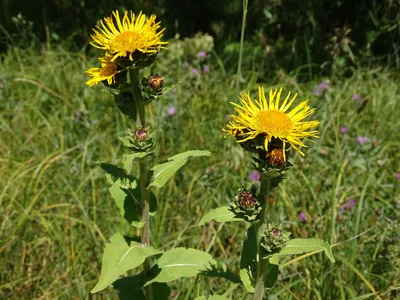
(221, 214)
(300, 246)
(53, 129)
(181, 262)
(248, 259)
(127, 195)
(119, 257)
(164, 171)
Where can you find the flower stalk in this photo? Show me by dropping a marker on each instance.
(144, 193)
(264, 218)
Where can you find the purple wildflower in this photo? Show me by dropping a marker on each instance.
(206, 69)
(351, 203)
(202, 54)
(302, 216)
(324, 85)
(398, 176)
(344, 129)
(172, 111)
(195, 71)
(362, 140)
(356, 97)
(317, 92)
(254, 176)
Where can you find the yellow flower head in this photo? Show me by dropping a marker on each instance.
(107, 72)
(270, 119)
(122, 38)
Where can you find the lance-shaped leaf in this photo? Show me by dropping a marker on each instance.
(164, 171)
(120, 257)
(221, 214)
(300, 246)
(181, 262)
(248, 259)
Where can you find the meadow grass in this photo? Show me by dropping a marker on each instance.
(56, 213)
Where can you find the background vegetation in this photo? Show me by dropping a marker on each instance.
(55, 209)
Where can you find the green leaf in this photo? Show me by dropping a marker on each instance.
(248, 259)
(127, 159)
(181, 262)
(273, 271)
(128, 201)
(115, 173)
(300, 246)
(164, 171)
(131, 287)
(221, 214)
(125, 190)
(120, 257)
(213, 297)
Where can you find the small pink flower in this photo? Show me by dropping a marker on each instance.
(172, 111)
(302, 217)
(195, 71)
(206, 69)
(344, 129)
(254, 176)
(324, 85)
(356, 97)
(202, 54)
(398, 176)
(362, 140)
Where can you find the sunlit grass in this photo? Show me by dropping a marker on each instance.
(56, 213)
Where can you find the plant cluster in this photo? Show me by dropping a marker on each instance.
(267, 129)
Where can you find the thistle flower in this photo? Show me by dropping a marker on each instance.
(254, 176)
(107, 72)
(202, 54)
(172, 111)
(195, 71)
(344, 129)
(356, 97)
(269, 120)
(362, 140)
(122, 38)
(302, 216)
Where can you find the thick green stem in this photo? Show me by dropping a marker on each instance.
(146, 232)
(262, 268)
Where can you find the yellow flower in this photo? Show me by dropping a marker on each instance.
(123, 38)
(107, 72)
(270, 119)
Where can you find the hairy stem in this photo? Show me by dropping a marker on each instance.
(146, 232)
(262, 268)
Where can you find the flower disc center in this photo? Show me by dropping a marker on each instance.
(128, 41)
(108, 70)
(273, 123)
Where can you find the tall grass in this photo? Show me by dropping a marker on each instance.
(56, 213)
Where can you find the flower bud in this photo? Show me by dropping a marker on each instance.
(156, 82)
(247, 200)
(275, 158)
(141, 134)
